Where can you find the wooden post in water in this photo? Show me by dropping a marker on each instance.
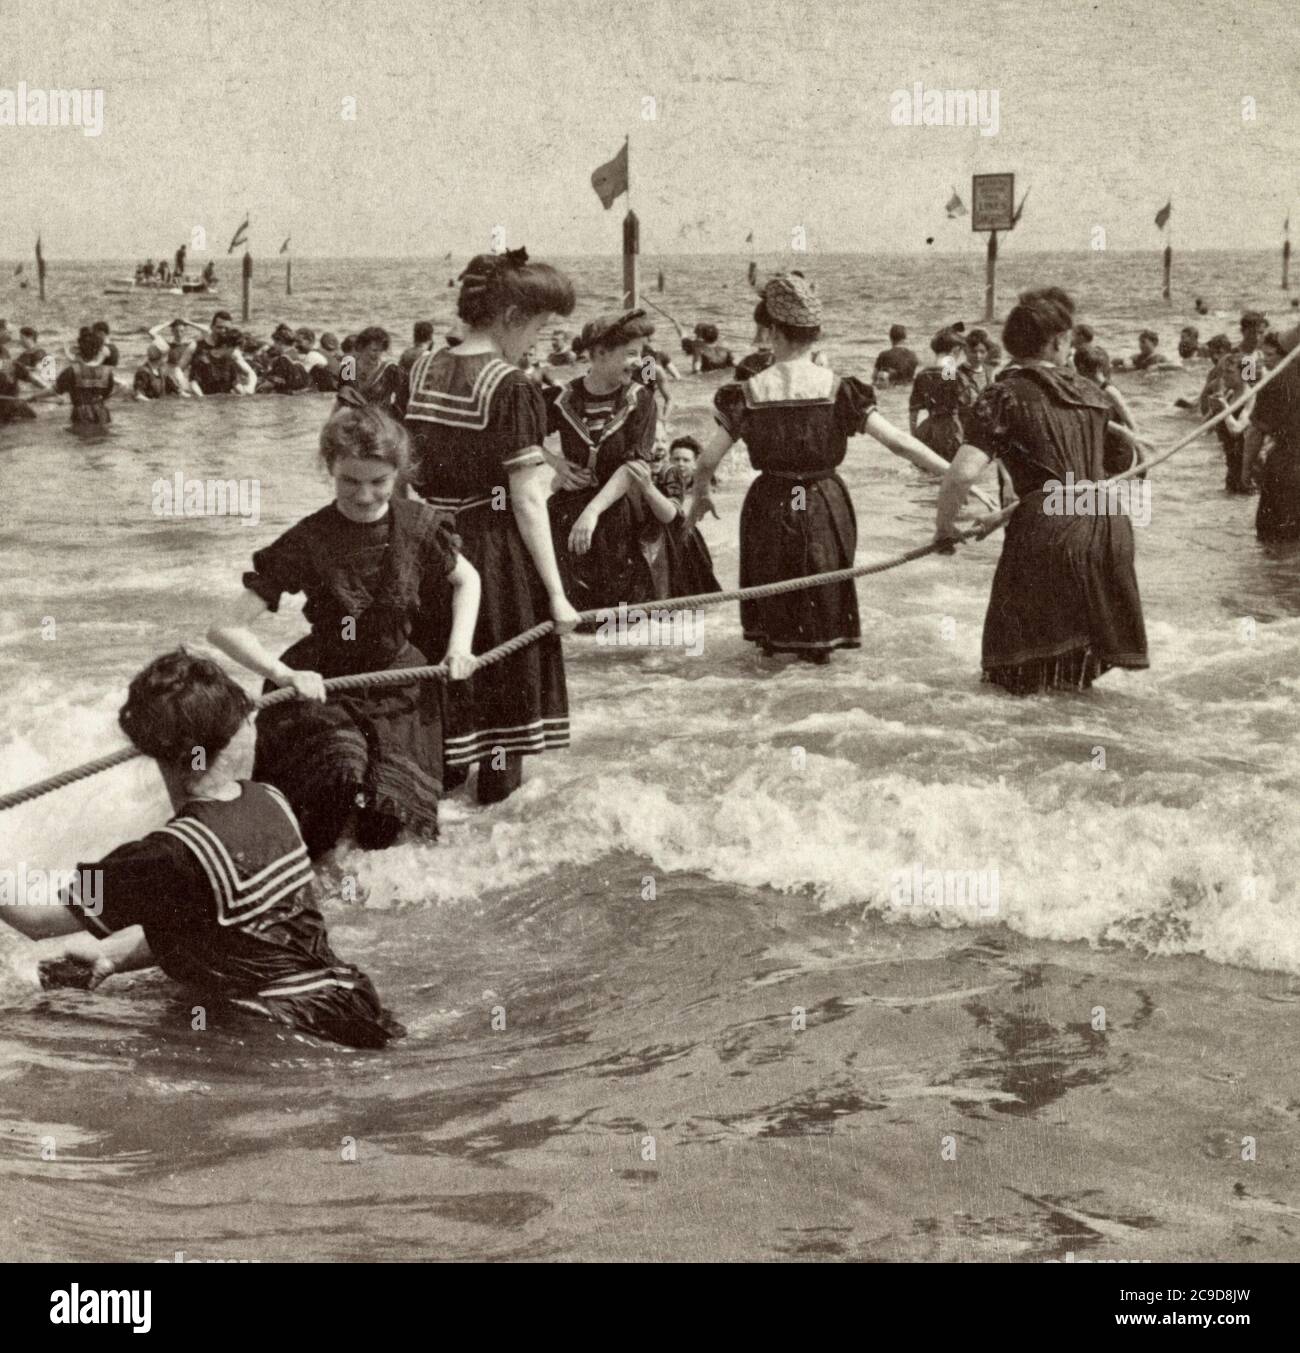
(991, 277)
(631, 248)
(288, 277)
(248, 282)
(1286, 265)
(1169, 263)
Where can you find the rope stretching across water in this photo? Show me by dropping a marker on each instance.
(438, 671)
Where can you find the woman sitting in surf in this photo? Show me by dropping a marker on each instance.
(372, 566)
(222, 897)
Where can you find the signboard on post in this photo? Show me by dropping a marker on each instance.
(993, 201)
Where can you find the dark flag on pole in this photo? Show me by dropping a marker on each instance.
(610, 180)
(241, 237)
(284, 248)
(1162, 216)
(749, 239)
(955, 206)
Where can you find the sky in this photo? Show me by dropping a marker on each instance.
(770, 116)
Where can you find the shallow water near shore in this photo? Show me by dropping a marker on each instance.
(721, 849)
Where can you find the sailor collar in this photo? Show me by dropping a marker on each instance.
(568, 403)
(791, 383)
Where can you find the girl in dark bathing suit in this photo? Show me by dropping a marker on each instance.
(222, 897)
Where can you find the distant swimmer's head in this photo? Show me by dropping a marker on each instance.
(89, 344)
(100, 326)
(222, 317)
(329, 342)
(1271, 346)
(512, 298)
(1254, 323)
(897, 334)
(1094, 362)
(791, 309)
(707, 333)
(945, 341)
(1083, 336)
(186, 713)
(365, 452)
(1189, 341)
(155, 352)
(304, 339)
(1219, 346)
(227, 339)
(1039, 325)
(422, 333)
(612, 342)
(372, 341)
(1148, 340)
(349, 343)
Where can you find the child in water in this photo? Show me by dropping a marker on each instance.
(222, 897)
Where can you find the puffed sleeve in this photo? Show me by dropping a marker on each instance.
(283, 566)
(987, 425)
(1277, 407)
(150, 883)
(854, 402)
(729, 409)
(518, 422)
(920, 396)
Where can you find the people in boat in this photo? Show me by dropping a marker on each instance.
(1094, 363)
(796, 418)
(179, 269)
(477, 425)
(375, 567)
(87, 381)
(897, 364)
(603, 419)
(939, 395)
(1064, 607)
(373, 375)
(1275, 431)
(222, 897)
(209, 272)
(421, 342)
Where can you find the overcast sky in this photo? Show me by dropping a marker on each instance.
(769, 114)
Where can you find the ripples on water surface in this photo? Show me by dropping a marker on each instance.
(770, 805)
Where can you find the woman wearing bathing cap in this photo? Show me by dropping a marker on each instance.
(796, 418)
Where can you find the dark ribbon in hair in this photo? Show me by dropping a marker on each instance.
(477, 278)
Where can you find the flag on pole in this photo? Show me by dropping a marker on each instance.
(284, 248)
(749, 239)
(956, 207)
(1162, 216)
(1015, 220)
(241, 237)
(610, 180)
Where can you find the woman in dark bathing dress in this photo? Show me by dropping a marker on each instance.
(1065, 606)
(1276, 415)
(796, 418)
(477, 424)
(604, 419)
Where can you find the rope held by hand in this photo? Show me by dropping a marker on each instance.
(438, 671)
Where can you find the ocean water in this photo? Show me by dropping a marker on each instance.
(721, 845)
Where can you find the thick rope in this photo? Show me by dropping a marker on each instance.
(438, 671)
